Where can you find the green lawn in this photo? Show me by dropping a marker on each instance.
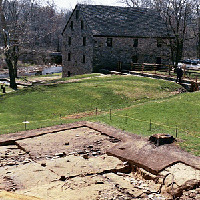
(126, 102)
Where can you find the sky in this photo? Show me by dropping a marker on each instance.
(70, 4)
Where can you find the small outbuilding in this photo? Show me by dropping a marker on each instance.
(98, 38)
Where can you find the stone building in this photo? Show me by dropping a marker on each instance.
(98, 37)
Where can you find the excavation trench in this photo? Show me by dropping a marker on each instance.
(91, 159)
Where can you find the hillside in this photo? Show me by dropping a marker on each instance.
(140, 105)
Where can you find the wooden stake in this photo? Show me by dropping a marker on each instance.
(150, 125)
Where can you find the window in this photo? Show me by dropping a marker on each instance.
(82, 25)
(84, 41)
(158, 60)
(109, 42)
(135, 42)
(134, 59)
(159, 42)
(69, 56)
(77, 14)
(72, 25)
(69, 41)
(83, 58)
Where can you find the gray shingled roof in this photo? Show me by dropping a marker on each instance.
(123, 21)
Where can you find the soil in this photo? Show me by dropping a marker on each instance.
(86, 160)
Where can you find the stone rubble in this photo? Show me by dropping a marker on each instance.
(12, 155)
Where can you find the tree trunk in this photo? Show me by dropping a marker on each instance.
(172, 51)
(198, 43)
(15, 58)
(13, 84)
(198, 53)
(177, 52)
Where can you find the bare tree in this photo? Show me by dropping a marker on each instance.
(176, 14)
(138, 3)
(28, 25)
(15, 20)
(197, 12)
(11, 48)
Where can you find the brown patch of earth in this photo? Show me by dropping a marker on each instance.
(88, 160)
(80, 115)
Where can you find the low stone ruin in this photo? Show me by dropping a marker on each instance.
(94, 161)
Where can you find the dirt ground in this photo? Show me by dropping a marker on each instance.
(88, 160)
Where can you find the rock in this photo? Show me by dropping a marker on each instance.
(43, 165)
(21, 153)
(99, 152)
(49, 157)
(66, 143)
(86, 156)
(94, 153)
(193, 191)
(62, 178)
(63, 154)
(99, 182)
(80, 152)
(25, 161)
(190, 184)
(198, 190)
(134, 182)
(140, 181)
(150, 196)
(120, 174)
(192, 195)
(11, 163)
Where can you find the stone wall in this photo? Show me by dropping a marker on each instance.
(79, 49)
(123, 50)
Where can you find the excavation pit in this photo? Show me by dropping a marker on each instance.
(92, 161)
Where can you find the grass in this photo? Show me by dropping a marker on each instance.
(133, 102)
(175, 115)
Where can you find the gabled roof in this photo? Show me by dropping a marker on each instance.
(123, 21)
